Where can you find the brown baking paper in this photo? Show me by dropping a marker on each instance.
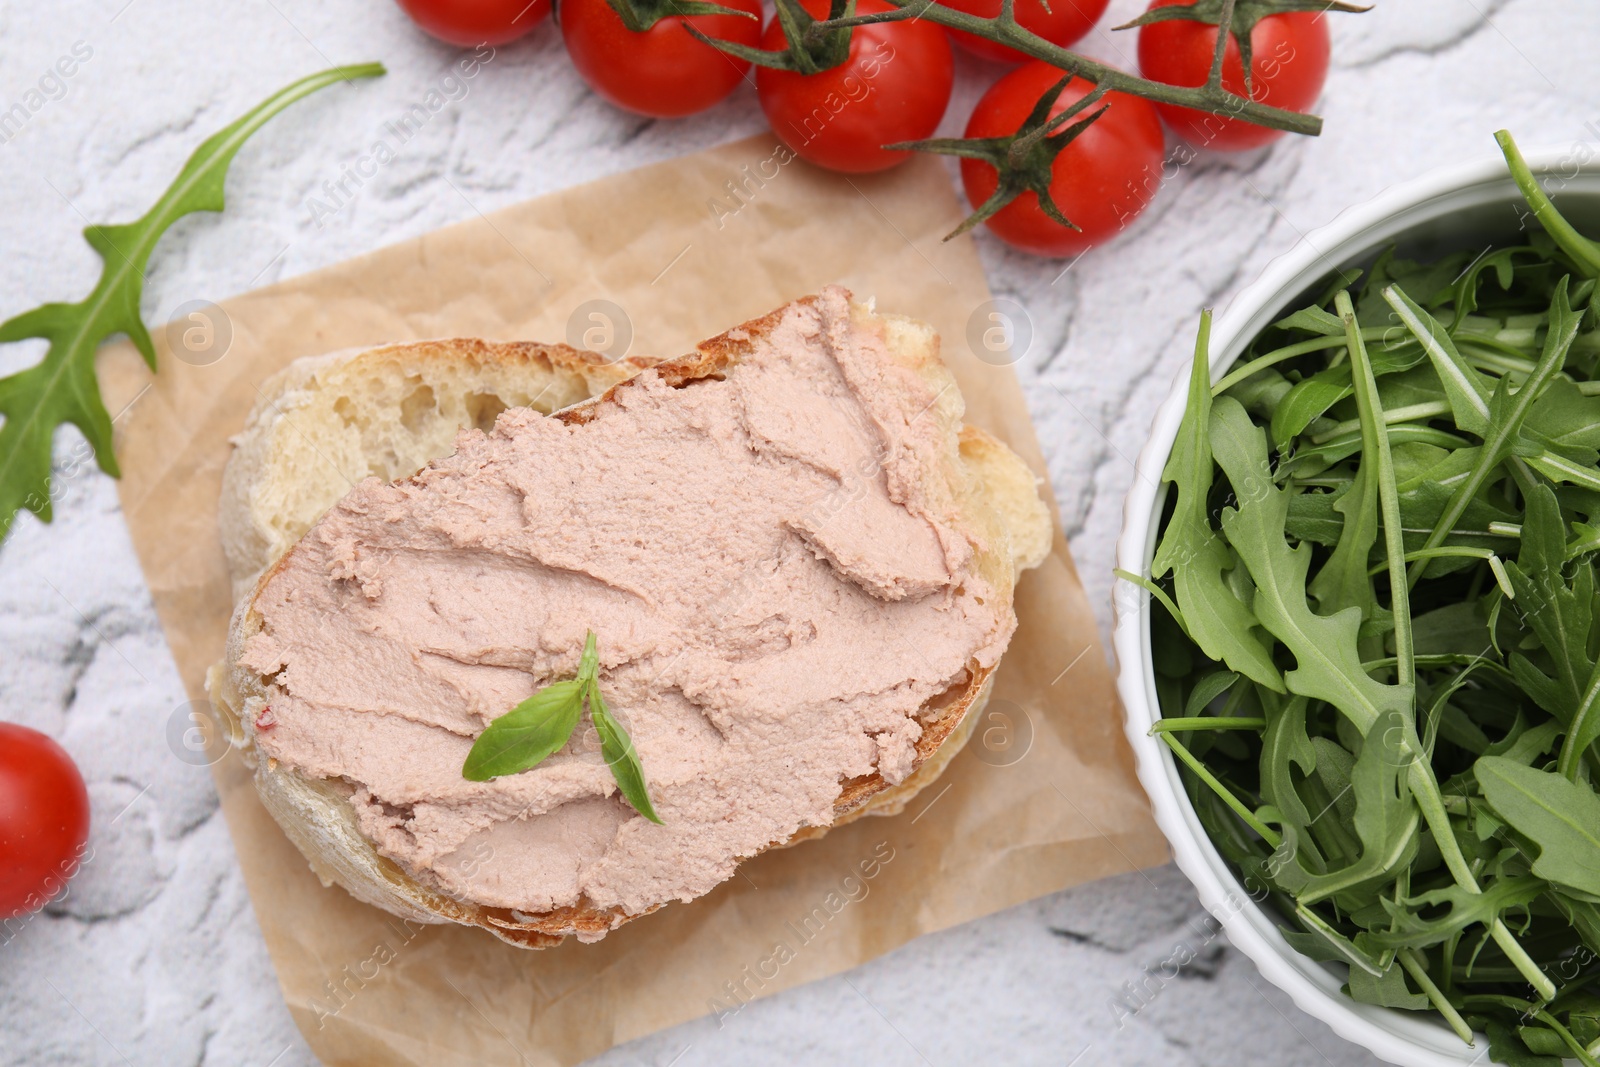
(1043, 798)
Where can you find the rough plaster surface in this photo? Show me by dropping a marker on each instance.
(155, 957)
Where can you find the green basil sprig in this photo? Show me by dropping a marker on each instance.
(524, 736)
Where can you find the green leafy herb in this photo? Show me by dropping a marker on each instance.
(1381, 552)
(617, 748)
(61, 387)
(1562, 818)
(526, 735)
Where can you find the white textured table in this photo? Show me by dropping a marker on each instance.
(155, 957)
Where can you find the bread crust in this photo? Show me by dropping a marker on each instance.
(317, 817)
(293, 427)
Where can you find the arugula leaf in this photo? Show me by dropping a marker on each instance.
(1565, 418)
(1324, 647)
(1217, 621)
(1311, 398)
(1506, 413)
(1284, 745)
(1385, 821)
(1312, 320)
(1507, 1047)
(1465, 910)
(61, 388)
(1389, 991)
(1375, 450)
(1562, 616)
(1561, 817)
(1467, 391)
(1315, 517)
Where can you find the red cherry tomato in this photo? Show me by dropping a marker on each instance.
(1100, 181)
(893, 87)
(663, 71)
(44, 819)
(1064, 24)
(473, 22)
(1288, 66)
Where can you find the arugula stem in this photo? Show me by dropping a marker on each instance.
(1268, 834)
(1477, 351)
(1583, 251)
(1375, 446)
(1430, 410)
(1528, 1009)
(1424, 787)
(1208, 722)
(1316, 924)
(1504, 431)
(1278, 355)
(1156, 591)
(1496, 567)
(1570, 761)
(1417, 968)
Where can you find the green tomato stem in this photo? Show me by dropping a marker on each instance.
(1210, 98)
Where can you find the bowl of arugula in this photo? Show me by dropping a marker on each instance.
(1358, 619)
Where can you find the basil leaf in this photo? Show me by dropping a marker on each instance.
(525, 735)
(617, 748)
(1561, 817)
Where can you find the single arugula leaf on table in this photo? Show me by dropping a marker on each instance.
(62, 388)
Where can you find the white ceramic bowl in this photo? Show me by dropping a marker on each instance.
(1444, 211)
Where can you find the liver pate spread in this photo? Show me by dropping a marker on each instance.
(771, 574)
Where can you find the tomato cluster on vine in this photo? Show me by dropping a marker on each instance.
(891, 84)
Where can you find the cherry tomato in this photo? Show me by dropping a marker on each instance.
(893, 87)
(1288, 66)
(44, 819)
(473, 22)
(663, 71)
(1064, 23)
(1100, 181)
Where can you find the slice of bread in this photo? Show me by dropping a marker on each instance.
(324, 423)
(354, 406)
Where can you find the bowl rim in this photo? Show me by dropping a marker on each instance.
(1408, 1038)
